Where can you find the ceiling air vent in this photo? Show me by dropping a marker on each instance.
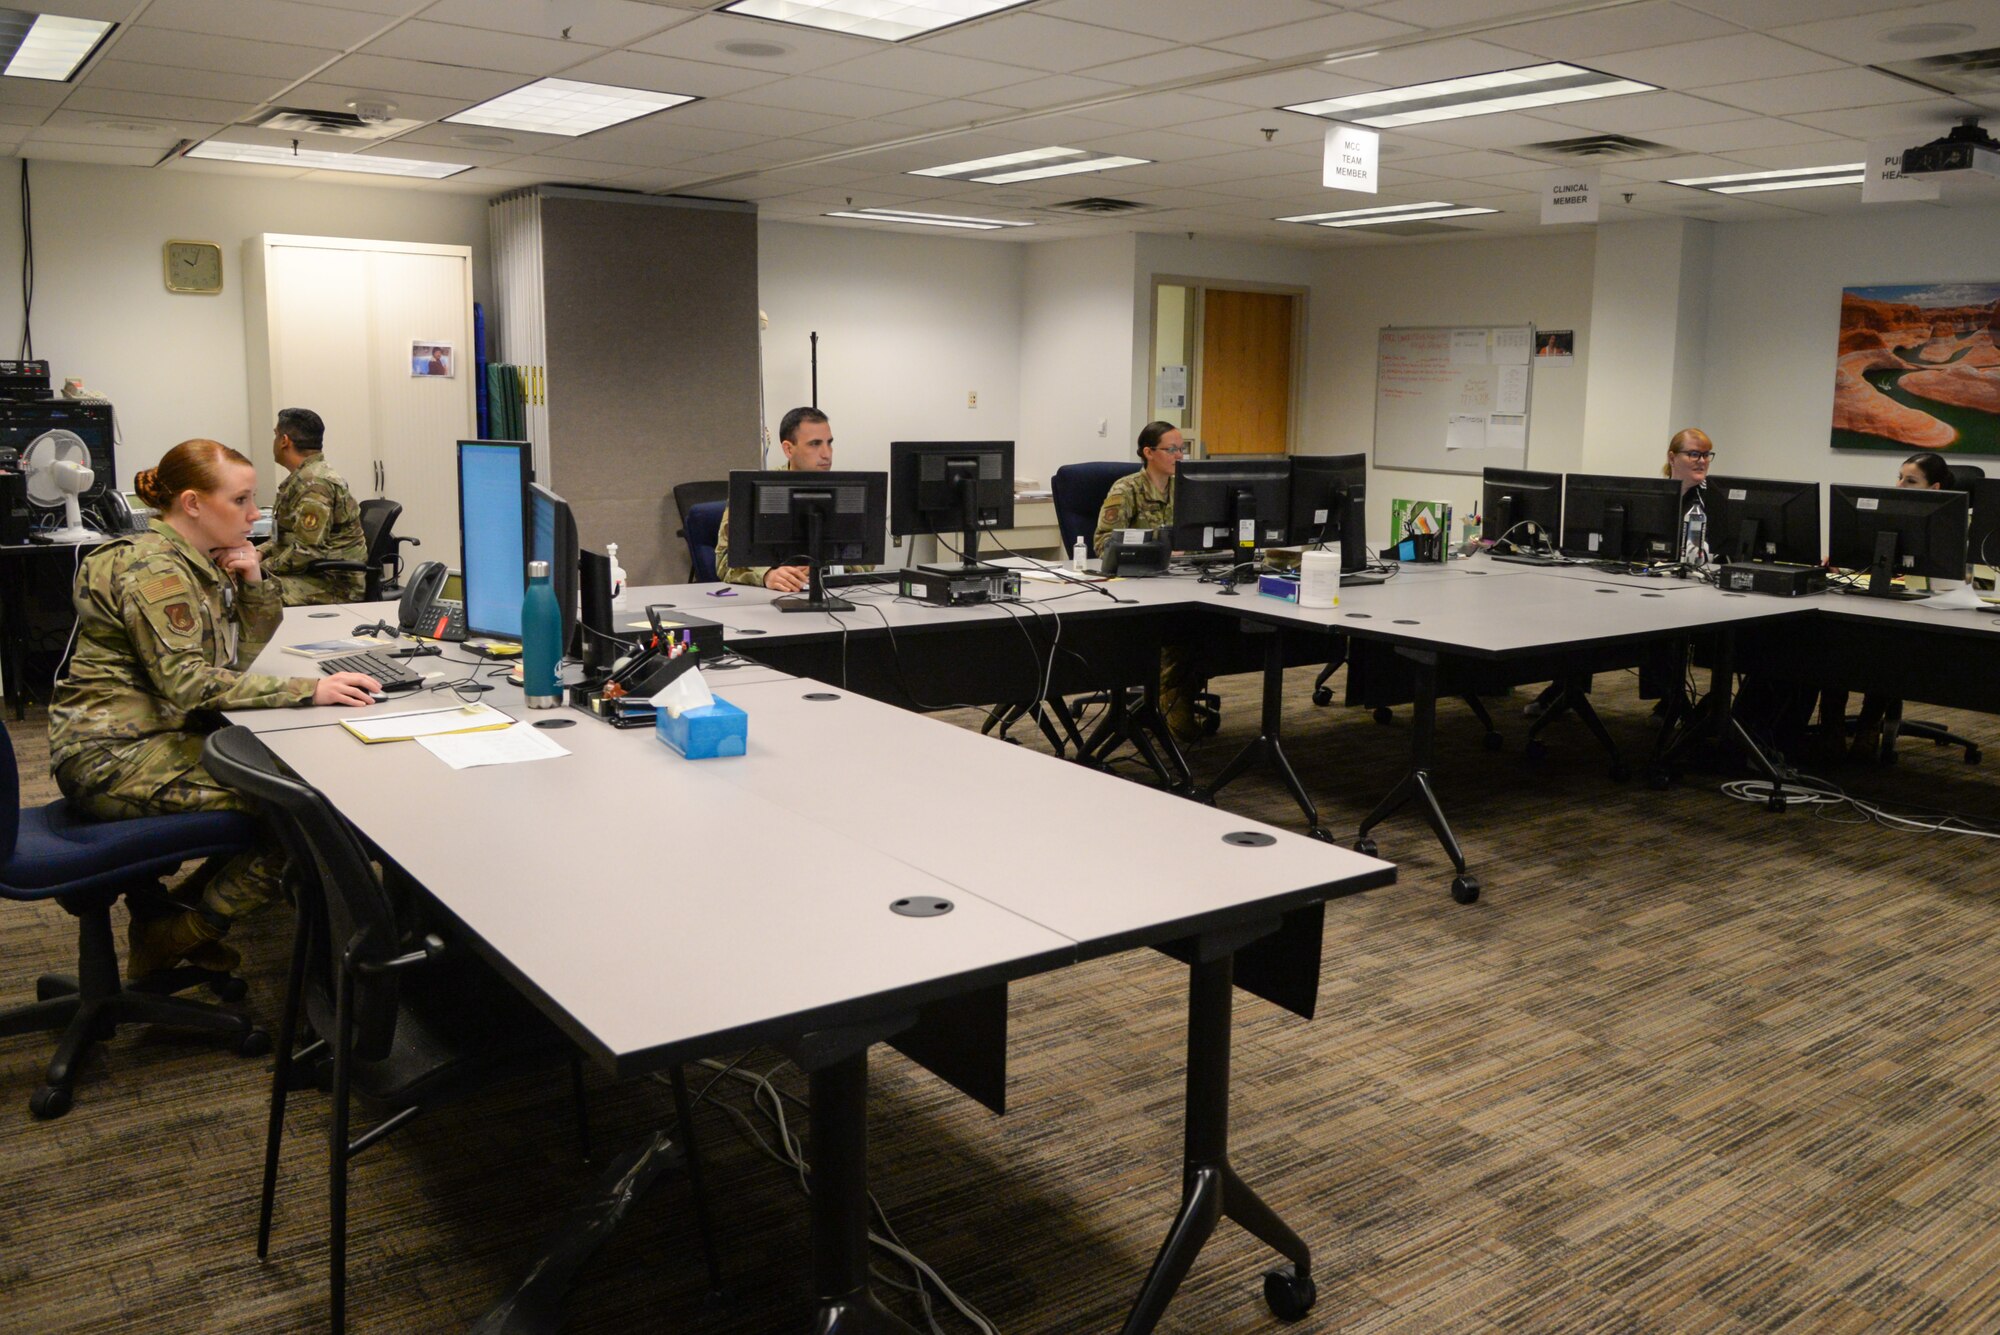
(344, 124)
(1098, 206)
(1963, 72)
(1598, 148)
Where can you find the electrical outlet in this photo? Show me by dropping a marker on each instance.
(972, 398)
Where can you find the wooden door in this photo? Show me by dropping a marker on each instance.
(1246, 372)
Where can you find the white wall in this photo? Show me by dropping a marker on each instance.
(908, 326)
(1544, 281)
(1774, 324)
(1649, 307)
(174, 366)
(1077, 332)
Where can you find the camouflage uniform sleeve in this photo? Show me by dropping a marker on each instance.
(162, 614)
(753, 575)
(260, 607)
(1120, 508)
(301, 529)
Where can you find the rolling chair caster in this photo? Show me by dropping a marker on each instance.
(1493, 741)
(1972, 755)
(49, 1102)
(1365, 846)
(1776, 803)
(1322, 697)
(1384, 714)
(1321, 833)
(1289, 1294)
(256, 1043)
(1465, 889)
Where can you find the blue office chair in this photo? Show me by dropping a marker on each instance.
(701, 528)
(1079, 491)
(407, 1024)
(55, 852)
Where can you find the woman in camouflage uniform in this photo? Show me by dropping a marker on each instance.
(165, 619)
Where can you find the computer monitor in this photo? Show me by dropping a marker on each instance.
(1982, 545)
(1329, 504)
(1621, 518)
(810, 519)
(552, 538)
(493, 534)
(1520, 510)
(598, 644)
(1236, 505)
(1890, 531)
(1754, 519)
(961, 487)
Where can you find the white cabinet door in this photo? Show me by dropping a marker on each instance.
(318, 303)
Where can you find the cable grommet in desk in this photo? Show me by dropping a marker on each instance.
(1357, 616)
(316, 616)
(1405, 621)
(819, 695)
(746, 631)
(921, 906)
(555, 723)
(1249, 839)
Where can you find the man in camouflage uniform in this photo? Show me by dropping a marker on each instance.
(315, 518)
(1145, 499)
(157, 655)
(807, 439)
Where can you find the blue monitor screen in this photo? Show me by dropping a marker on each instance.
(491, 524)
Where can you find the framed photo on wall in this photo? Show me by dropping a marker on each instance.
(436, 359)
(1917, 369)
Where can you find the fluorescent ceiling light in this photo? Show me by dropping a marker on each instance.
(1474, 95)
(274, 155)
(1030, 165)
(48, 46)
(1387, 213)
(1796, 178)
(927, 219)
(889, 20)
(567, 107)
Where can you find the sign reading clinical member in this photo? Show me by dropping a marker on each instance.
(1351, 156)
(1570, 197)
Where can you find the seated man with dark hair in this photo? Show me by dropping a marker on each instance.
(315, 518)
(807, 439)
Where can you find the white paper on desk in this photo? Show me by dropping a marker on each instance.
(505, 746)
(1964, 598)
(1465, 431)
(685, 692)
(1507, 431)
(1512, 394)
(421, 723)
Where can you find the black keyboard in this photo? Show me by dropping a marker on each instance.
(858, 578)
(393, 675)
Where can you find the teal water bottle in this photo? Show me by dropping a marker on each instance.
(541, 639)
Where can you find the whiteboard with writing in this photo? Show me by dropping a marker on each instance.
(1453, 399)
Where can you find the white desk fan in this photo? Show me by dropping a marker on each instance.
(58, 467)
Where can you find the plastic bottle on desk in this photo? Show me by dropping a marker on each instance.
(1076, 554)
(617, 577)
(541, 639)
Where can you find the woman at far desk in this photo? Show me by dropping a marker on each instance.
(1145, 499)
(164, 621)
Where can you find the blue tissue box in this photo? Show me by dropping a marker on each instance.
(720, 729)
(1279, 586)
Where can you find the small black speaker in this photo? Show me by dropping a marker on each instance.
(14, 514)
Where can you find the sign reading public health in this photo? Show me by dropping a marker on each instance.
(1351, 154)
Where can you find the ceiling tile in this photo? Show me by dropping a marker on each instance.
(18, 116)
(852, 134)
(666, 74)
(1054, 91)
(1429, 61)
(594, 22)
(1730, 136)
(1041, 43)
(1716, 60)
(741, 117)
(1784, 157)
(84, 127)
(32, 92)
(419, 76)
(133, 77)
(228, 55)
(1860, 39)
(1197, 21)
(145, 106)
(1661, 169)
(1287, 87)
(1765, 14)
(1833, 91)
(1581, 36)
(268, 20)
(1156, 109)
(1446, 13)
(928, 72)
(945, 115)
(449, 44)
(1328, 32)
(806, 49)
(830, 98)
(1922, 120)
(519, 143)
(1642, 114)
(108, 154)
(1180, 63)
(646, 146)
(110, 11)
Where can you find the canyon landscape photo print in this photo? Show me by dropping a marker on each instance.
(1918, 369)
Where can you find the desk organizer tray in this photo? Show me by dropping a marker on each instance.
(720, 729)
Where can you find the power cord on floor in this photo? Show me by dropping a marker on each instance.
(1828, 799)
(769, 1100)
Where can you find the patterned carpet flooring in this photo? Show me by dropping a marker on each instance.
(1688, 1066)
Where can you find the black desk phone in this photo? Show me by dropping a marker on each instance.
(433, 603)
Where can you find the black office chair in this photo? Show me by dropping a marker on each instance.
(381, 567)
(55, 852)
(702, 529)
(1078, 491)
(408, 1024)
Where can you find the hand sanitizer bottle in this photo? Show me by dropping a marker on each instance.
(617, 578)
(1077, 554)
